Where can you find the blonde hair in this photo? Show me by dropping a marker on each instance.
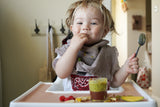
(107, 18)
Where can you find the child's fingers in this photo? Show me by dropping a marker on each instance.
(135, 71)
(133, 63)
(133, 60)
(78, 41)
(132, 70)
(84, 37)
(135, 67)
(132, 56)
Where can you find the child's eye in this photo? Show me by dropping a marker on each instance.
(79, 23)
(93, 23)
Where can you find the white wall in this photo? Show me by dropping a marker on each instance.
(120, 41)
(155, 48)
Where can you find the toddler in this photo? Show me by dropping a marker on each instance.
(86, 54)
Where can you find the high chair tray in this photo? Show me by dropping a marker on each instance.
(42, 95)
(53, 89)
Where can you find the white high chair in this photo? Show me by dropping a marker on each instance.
(57, 85)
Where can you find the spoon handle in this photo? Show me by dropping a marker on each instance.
(137, 51)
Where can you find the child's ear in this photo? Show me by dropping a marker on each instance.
(70, 27)
(106, 30)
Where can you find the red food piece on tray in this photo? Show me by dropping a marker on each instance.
(66, 99)
(62, 98)
(71, 98)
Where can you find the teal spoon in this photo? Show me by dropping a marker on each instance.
(141, 42)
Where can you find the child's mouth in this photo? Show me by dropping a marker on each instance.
(84, 34)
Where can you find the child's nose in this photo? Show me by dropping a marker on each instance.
(86, 27)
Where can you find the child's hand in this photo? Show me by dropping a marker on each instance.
(79, 40)
(131, 65)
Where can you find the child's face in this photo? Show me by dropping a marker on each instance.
(89, 21)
